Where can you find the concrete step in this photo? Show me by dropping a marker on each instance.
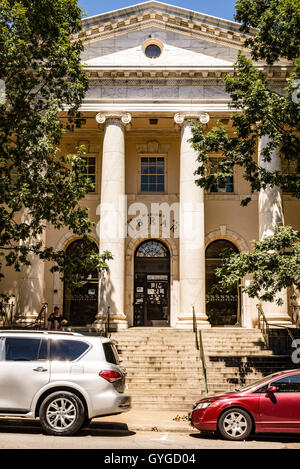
(166, 399)
(165, 393)
(164, 370)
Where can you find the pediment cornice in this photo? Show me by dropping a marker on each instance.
(277, 75)
(167, 17)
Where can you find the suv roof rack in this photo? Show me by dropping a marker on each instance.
(32, 331)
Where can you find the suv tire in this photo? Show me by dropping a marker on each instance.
(62, 413)
(235, 424)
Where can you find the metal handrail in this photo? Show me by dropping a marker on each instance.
(200, 347)
(265, 327)
(107, 323)
(41, 320)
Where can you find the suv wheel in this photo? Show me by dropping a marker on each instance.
(62, 413)
(235, 424)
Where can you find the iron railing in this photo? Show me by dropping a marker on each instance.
(6, 313)
(264, 326)
(200, 348)
(41, 320)
(107, 323)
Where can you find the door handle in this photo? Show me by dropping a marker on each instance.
(40, 369)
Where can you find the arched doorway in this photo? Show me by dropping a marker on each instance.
(81, 301)
(152, 284)
(222, 309)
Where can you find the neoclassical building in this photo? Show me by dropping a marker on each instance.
(152, 68)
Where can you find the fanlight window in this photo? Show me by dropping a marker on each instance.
(152, 249)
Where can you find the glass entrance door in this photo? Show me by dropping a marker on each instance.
(151, 300)
(152, 284)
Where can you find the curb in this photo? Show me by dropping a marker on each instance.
(162, 428)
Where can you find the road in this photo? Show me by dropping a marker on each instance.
(27, 434)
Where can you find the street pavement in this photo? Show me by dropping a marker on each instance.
(137, 429)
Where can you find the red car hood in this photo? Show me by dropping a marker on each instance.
(216, 397)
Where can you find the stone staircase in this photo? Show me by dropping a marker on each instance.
(238, 357)
(163, 367)
(164, 370)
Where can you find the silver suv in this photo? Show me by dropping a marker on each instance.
(64, 378)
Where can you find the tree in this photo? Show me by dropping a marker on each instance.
(273, 265)
(41, 72)
(273, 28)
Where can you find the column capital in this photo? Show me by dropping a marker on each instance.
(124, 117)
(181, 117)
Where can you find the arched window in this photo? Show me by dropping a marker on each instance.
(152, 248)
(223, 309)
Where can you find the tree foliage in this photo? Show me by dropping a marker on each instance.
(273, 265)
(259, 109)
(41, 70)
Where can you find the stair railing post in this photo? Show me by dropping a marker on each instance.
(199, 346)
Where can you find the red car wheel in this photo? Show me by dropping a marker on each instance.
(235, 424)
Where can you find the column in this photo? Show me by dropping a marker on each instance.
(192, 242)
(270, 213)
(31, 284)
(112, 227)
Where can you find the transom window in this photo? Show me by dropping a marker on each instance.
(152, 174)
(90, 172)
(224, 186)
(152, 248)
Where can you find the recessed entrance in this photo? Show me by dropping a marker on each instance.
(152, 284)
(81, 301)
(222, 309)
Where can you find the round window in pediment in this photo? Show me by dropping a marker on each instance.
(152, 51)
(152, 48)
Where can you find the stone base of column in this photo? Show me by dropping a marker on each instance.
(25, 319)
(186, 322)
(277, 314)
(117, 322)
(275, 320)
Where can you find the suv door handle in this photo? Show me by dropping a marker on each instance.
(40, 369)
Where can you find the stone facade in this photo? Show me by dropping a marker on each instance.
(137, 108)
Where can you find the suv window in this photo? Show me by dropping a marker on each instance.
(111, 353)
(67, 350)
(23, 349)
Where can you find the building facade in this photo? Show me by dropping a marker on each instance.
(152, 68)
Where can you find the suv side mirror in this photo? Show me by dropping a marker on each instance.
(271, 389)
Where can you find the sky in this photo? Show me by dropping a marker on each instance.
(220, 8)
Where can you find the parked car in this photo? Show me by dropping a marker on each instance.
(65, 379)
(271, 404)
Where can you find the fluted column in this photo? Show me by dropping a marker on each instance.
(270, 214)
(192, 242)
(112, 226)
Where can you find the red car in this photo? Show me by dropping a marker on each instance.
(271, 404)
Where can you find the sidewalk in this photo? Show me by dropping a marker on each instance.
(148, 420)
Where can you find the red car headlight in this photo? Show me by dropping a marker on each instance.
(204, 405)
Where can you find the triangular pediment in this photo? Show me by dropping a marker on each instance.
(171, 57)
(163, 16)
